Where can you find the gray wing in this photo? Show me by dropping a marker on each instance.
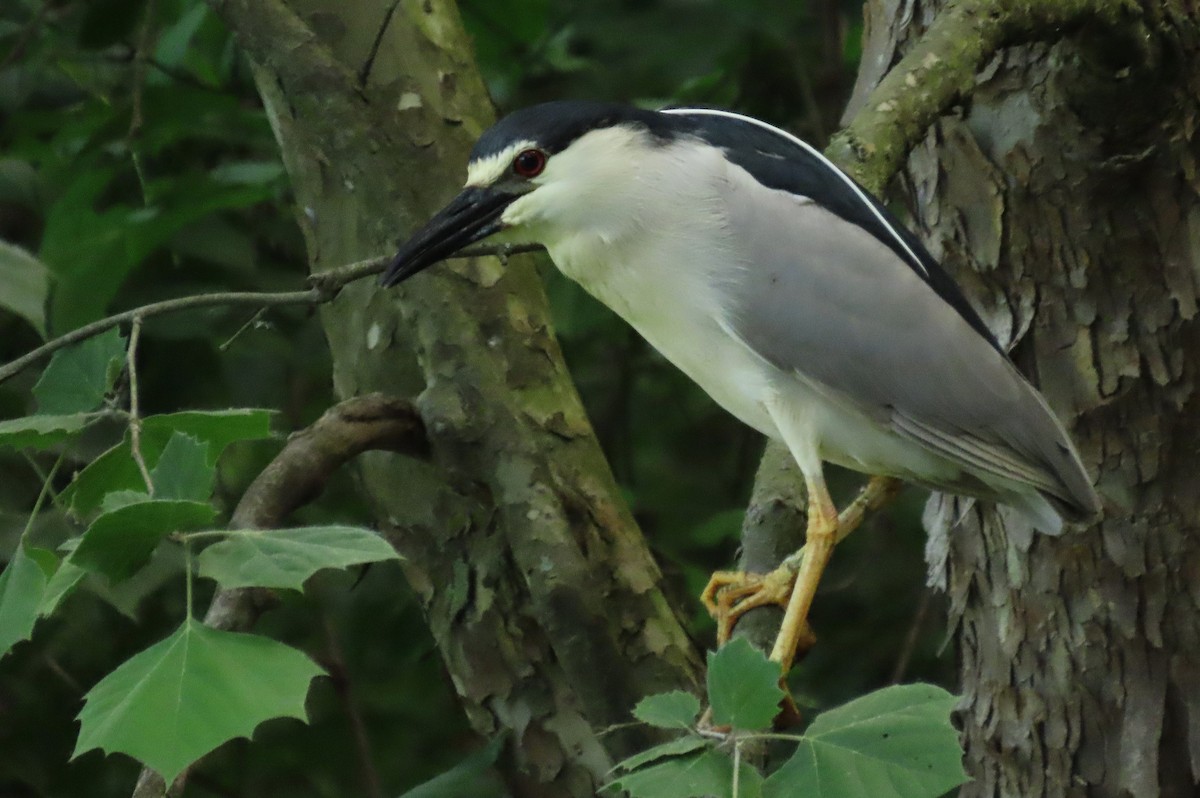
(820, 296)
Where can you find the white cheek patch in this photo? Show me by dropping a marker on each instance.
(485, 171)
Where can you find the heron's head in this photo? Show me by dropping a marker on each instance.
(539, 172)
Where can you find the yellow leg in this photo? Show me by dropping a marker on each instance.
(819, 540)
(731, 594)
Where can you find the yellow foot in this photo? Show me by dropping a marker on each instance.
(731, 594)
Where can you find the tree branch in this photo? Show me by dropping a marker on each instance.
(294, 478)
(135, 418)
(940, 70)
(324, 288)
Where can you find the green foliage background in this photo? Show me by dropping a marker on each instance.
(194, 199)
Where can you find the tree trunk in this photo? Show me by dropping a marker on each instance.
(1063, 196)
(538, 586)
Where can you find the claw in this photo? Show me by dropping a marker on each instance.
(731, 594)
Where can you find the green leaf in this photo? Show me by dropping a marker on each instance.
(60, 586)
(174, 40)
(743, 686)
(21, 588)
(680, 745)
(217, 428)
(183, 470)
(116, 470)
(123, 498)
(706, 774)
(894, 743)
(672, 710)
(47, 560)
(24, 283)
(39, 432)
(182, 697)
(286, 557)
(121, 541)
(79, 376)
(113, 471)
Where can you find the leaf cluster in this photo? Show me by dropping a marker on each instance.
(896, 742)
(184, 696)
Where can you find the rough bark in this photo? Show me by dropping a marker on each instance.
(1063, 194)
(1064, 197)
(539, 589)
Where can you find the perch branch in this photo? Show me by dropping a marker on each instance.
(325, 286)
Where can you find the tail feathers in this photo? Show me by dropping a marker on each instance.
(1045, 513)
(1038, 510)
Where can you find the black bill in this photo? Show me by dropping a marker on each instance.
(472, 215)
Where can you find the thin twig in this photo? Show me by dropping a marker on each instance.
(365, 72)
(135, 419)
(46, 490)
(325, 286)
(14, 367)
(55, 499)
(138, 81)
(258, 314)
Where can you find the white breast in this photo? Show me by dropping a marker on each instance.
(673, 304)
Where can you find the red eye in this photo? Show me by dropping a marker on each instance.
(529, 163)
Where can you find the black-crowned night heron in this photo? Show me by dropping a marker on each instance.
(787, 292)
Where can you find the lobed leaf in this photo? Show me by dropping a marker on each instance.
(59, 587)
(680, 745)
(673, 710)
(709, 773)
(743, 686)
(115, 469)
(120, 541)
(25, 282)
(183, 470)
(893, 743)
(217, 428)
(22, 585)
(79, 376)
(39, 432)
(284, 558)
(184, 696)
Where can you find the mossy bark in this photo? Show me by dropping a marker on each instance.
(538, 586)
(1064, 195)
